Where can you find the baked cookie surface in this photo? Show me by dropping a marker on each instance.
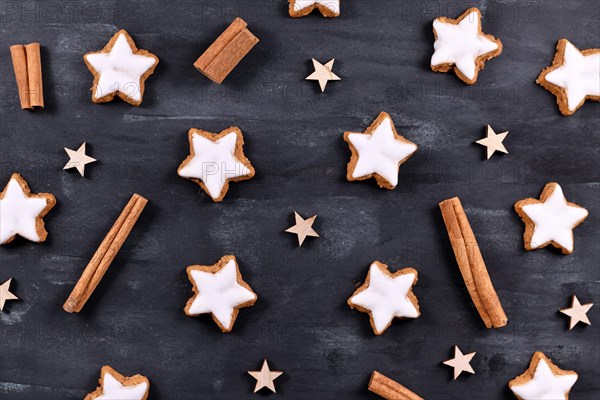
(543, 380)
(327, 8)
(114, 386)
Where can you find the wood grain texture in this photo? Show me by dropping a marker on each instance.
(293, 134)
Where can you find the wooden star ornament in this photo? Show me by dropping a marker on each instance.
(323, 74)
(577, 312)
(265, 377)
(460, 362)
(303, 228)
(493, 142)
(5, 294)
(78, 159)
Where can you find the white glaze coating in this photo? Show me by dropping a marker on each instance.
(460, 44)
(114, 390)
(214, 162)
(120, 70)
(579, 76)
(545, 385)
(333, 5)
(18, 213)
(554, 220)
(380, 152)
(386, 297)
(219, 293)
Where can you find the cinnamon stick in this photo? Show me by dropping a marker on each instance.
(27, 63)
(390, 389)
(471, 264)
(227, 51)
(103, 257)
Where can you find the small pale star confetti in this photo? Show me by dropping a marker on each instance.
(460, 362)
(323, 74)
(5, 294)
(577, 312)
(493, 142)
(78, 159)
(303, 228)
(265, 377)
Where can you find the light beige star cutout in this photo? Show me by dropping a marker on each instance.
(323, 73)
(460, 362)
(493, 142)
(303, 228)
(78, 159)
(265, 377)
(5, 294)
(577, 312)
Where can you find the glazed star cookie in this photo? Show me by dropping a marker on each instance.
(378, 152)
(22, 212)
(550, 220)
(215, 160)
(219, 290)
(461, 44)
(543, 380)
(120, 69)
(301, 8)
(114, 386)
(573, 77)
(385, 296)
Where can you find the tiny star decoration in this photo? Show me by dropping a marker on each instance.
(5, 294)
(265, 377)
(460, 362)
(493, 142)
(78, 159)
(323, 74)
(577, 312)
(303, 228)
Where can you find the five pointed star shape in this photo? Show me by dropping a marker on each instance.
(460, 362)
(22, 211)
(265, 377)
(573, 77)
(303, 228)
(215, 160)
(460, 43)
(543, 381)
(114, 386)
(220, 291)
(577, 312)
(5, 294)
(378, 152)
(386, 296)
(493, 142)
(120, 69)
(78, 159)
(323, 73)
(550, 220)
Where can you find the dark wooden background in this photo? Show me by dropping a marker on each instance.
(301, 323)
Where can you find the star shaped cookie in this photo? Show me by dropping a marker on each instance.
(550, 220)
(385, 296)
(120, 69)
(265, 377)
(114, 386)
(378, 152)
(573, 77)
(78, 159)
(22, 211)
(323, 74)
(461, 45)
(215, 160)
(301, 8)
(219, 290)
(577, 312)
(543, 380)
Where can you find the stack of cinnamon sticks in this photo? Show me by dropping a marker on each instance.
(27, 63)
(110, 246)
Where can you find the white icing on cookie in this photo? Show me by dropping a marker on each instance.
(115, 390)
(460, 44)
(386, 297)
(554, 220)
(545, 385)
(579, 76)
(219, 293)
(380, 152)
(120, 70)
(18, 213)
(333, 5)
(214, 162)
